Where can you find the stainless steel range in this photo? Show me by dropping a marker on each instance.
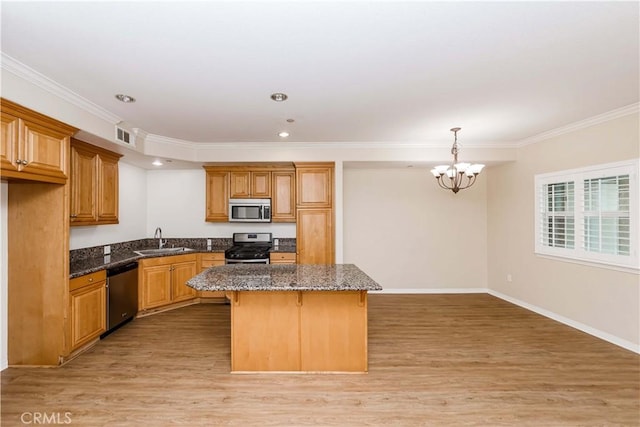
(249, 248)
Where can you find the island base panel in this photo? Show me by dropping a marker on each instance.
(299, 331)
(264, 331)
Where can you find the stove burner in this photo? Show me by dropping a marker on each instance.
(249, 247)
(248, 252)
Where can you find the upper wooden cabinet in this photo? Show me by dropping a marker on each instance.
(283, 200)
(94, 185)
(250, 180)
(217, 195)
(314, 185)
(250, 184)
(34, 147)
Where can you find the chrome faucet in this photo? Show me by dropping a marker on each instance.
(158, 235)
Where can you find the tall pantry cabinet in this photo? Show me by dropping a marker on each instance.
(34, 159)
(314, 211)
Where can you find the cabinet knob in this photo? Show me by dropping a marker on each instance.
(74, 216)
(91, 279)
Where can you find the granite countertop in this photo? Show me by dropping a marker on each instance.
(283, 277)
(84, 266)
(92, 260)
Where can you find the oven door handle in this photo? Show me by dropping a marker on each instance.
(246, 261)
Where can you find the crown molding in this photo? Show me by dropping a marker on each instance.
(32, 76)
(152, 138)
(601, 118)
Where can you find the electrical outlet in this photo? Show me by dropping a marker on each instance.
(107, 250)
(208, 243)
(509, 278)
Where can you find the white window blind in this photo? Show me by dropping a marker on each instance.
(590, 214)
(558, 222)
(606, 215)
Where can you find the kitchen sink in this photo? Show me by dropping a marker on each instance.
(163, 251)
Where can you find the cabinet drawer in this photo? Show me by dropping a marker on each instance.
(211, 260)
(282, 257)
(87, 279)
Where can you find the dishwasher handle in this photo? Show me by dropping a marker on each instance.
(122, 269)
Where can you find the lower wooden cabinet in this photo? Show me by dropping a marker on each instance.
(162, 280)
(87, 308)
(282, 258)
(314, 236)
(208, 260)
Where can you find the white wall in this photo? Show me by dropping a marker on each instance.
(600, 301)
(4, 282)
(132, 215)
(407, 233)
(176, 203)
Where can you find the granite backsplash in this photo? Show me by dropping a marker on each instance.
(199, 244)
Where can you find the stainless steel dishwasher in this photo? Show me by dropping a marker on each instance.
(122, 295)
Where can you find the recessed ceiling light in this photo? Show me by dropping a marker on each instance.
(283, 134)
(157, 163)
(279, 97)
(125, 98)
(290, 120)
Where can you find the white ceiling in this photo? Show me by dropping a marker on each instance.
(354, 71)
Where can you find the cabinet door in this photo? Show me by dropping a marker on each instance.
(83, 186)
(9, 143)
(107, 201)
(44, 150)
(88, 313)
(240, 185)
(156, 286)
(283, 202)
(217, 209)
(333, 331)
(314, 187)
(314, 236)
(261, 185)
(264, 331)
(180, 273)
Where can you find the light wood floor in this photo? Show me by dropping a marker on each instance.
(435, 360)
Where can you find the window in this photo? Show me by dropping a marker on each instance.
(590, 214)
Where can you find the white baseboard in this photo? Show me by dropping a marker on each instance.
(569, 322)
(546, 313)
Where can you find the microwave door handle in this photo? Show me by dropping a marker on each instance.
(261, 212)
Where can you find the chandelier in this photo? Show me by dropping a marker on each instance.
(456, 176)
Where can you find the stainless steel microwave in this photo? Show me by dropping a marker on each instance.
(249, 210)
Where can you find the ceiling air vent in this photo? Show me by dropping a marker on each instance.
(124, 136)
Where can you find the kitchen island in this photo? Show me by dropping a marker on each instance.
(294, 318)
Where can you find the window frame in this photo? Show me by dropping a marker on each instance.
(578, 253)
